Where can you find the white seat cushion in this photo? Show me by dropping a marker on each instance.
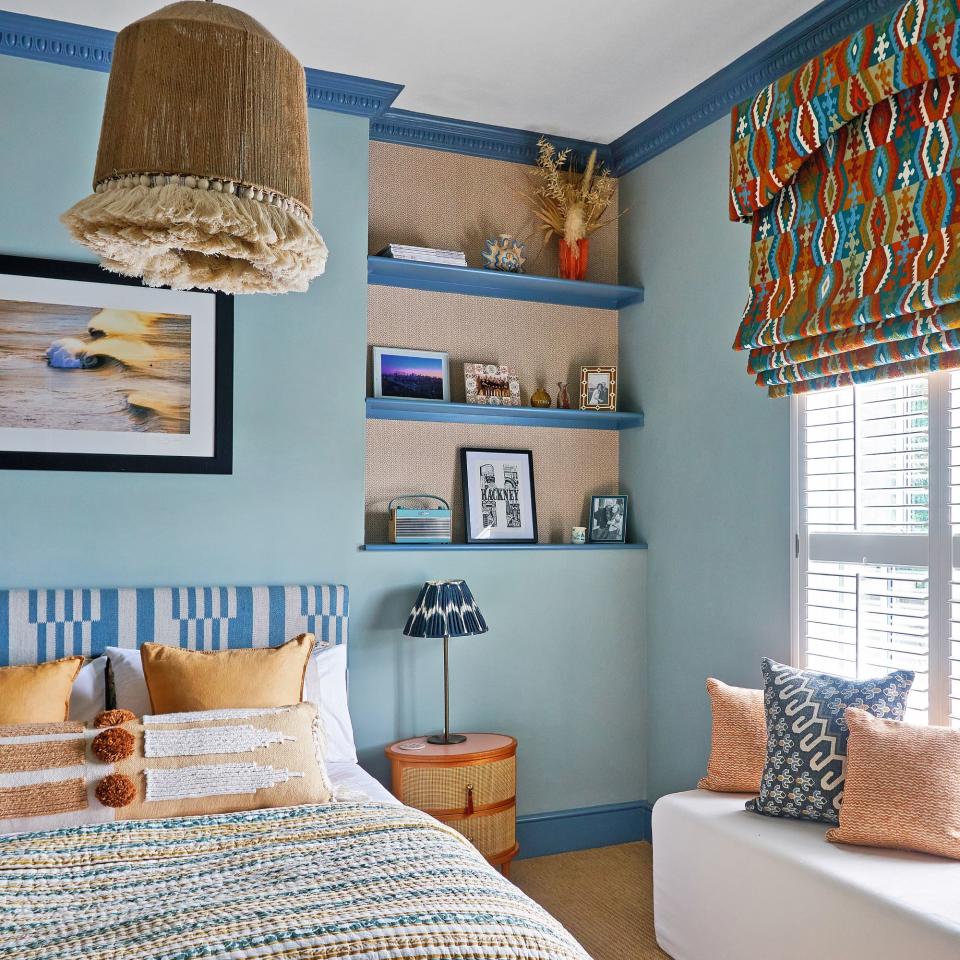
(733, 885)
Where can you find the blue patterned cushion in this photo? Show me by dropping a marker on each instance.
(807, 736)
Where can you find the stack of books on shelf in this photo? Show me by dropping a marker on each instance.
(400, 251)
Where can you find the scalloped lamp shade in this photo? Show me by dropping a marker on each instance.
(203, 172)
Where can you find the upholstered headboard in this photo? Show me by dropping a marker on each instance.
(40, 625)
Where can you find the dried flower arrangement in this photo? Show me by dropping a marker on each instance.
(570, 204)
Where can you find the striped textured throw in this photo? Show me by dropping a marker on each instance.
(320, 881)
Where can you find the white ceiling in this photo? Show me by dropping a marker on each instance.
(579, 69)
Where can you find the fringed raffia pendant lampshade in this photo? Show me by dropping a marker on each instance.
(203, 171)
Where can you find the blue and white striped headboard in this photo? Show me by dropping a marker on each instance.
(40, 625)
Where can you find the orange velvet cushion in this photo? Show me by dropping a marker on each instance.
(181, 681)
(738, 745)
(37, 693)
(902, 786)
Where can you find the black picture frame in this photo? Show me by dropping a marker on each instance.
(465, 453)
(221, 462)
(595, 506)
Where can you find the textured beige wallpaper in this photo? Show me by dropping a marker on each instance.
(435, 199)
(431, 198)
(568, 467)
(545, 343)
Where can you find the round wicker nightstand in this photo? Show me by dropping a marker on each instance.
(472, 786)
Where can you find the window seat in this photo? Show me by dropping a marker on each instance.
(732, 885)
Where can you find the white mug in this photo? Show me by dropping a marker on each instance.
(578, 535)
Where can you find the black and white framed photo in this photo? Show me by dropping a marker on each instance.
(498, 496)
(99, 372)
(598, 388)
(411, 374)
(608, 519)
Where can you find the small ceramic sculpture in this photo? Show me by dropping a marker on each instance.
(563, 396)
(504, 253)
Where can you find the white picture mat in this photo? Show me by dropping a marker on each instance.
(498, 459)
(201, 307)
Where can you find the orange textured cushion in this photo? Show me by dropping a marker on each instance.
(738, 744)
(902, 786)
(37, 693)
(180, 681)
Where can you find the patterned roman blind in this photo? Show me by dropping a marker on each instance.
(848, 170)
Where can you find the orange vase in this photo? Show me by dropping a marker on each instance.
(573, 259)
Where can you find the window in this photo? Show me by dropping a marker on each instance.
(876, 511)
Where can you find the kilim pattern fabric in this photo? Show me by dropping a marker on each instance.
(41, 625)
(345, 880)
(848, 170)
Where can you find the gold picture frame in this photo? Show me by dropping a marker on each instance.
(598, 388)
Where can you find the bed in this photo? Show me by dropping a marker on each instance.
(360, 876)
(732, 885)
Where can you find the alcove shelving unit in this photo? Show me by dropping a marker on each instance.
(543, 326)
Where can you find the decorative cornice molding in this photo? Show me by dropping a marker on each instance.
(346, 94)
(54, 41)
(473, 139)
(73, 45)
(808, 35)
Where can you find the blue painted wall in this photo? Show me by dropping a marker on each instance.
(709, 472)
(562, 666)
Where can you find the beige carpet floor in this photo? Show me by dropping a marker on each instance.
(604, 897)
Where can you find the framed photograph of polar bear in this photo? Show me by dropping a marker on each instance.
(99, 372)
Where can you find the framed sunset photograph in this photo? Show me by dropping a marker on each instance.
(411, 374)
(99, 372)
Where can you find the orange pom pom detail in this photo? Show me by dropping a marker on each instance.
(113, 718)
(116, 790)
(113, 745)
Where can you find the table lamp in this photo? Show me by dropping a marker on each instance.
(445, 608)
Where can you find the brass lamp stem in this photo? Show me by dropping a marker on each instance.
(447, 737)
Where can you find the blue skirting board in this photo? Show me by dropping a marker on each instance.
(541, 834)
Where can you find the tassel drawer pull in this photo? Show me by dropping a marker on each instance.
(469, 809)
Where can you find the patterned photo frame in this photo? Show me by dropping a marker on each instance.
(598, 388)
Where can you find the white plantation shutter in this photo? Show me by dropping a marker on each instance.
(874, 581)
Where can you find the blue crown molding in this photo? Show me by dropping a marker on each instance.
(474, 139)
(73, 45)
(810, 34)
(346, 94)
(54, 41)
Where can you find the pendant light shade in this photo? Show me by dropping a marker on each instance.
(203, 172)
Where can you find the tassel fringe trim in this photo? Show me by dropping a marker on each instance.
(192, 237)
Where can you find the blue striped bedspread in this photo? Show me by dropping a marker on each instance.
(341, 880)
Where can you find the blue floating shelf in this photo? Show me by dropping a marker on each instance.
(480, 547)
(495, 283)
(435, 412)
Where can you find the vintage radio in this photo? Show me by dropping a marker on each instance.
(420, 526)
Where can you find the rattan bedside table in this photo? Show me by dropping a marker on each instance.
(472, 786)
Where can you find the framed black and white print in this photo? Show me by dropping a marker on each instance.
(99, 372)
(498, 496)
(608, 519)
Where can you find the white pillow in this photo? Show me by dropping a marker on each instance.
(89, 693)
(325, 686)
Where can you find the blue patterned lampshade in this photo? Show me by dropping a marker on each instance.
(445, 608)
